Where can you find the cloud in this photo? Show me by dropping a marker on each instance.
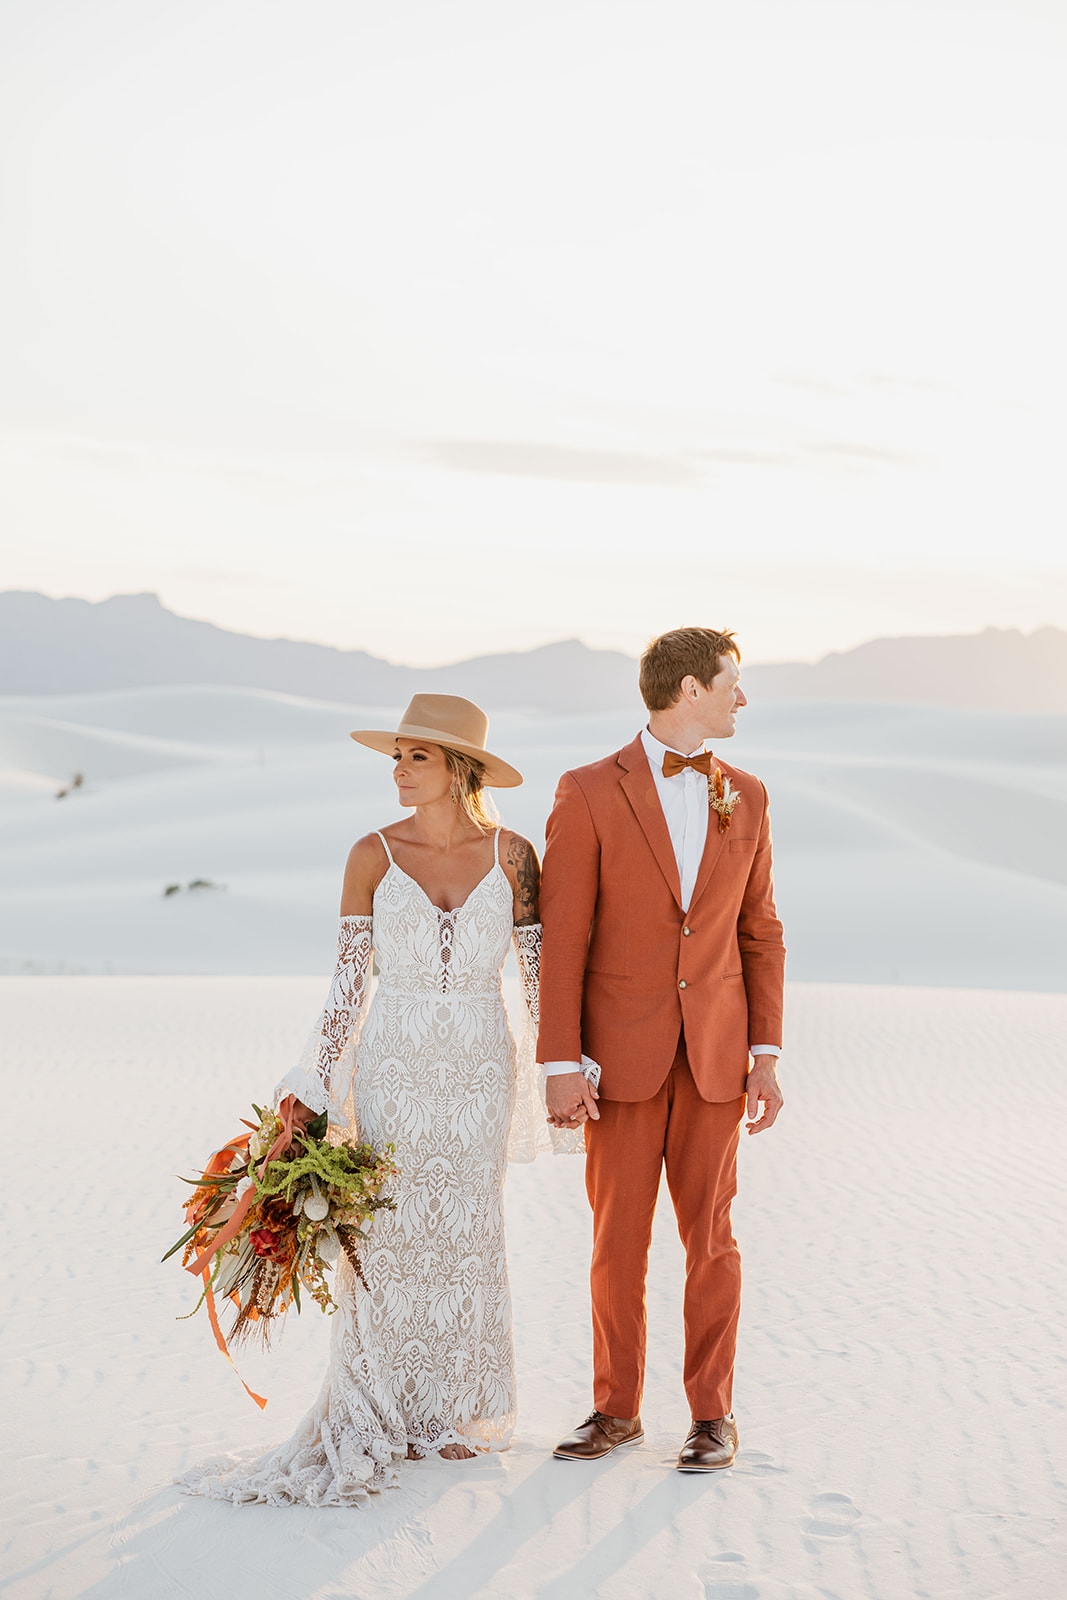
(740, 456)
(850, 452)
(518, 458)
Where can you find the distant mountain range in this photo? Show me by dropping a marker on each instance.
(132, 641)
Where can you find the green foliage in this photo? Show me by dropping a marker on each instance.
(350, 1168)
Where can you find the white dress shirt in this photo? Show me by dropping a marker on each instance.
(684, 799)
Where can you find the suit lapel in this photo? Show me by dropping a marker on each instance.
(639, 788)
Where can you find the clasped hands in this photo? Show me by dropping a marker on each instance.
(571, 1099)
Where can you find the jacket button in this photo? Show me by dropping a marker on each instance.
(687, 932)
(682, 983)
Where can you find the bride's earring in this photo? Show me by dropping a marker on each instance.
(455, 796)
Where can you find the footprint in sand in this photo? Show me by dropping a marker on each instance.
(755, 1461)
(832, 1516)
(727, 1582)
(729, 1585)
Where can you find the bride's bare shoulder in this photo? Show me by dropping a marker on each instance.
(365, 868)
(514, 848)
(369, 848)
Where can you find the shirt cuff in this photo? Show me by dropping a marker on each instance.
(555, 1069)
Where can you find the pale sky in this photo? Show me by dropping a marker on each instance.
(447, 326)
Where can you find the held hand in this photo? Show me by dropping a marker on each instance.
(762, 1087)
(302, 1115)
(571, 1100)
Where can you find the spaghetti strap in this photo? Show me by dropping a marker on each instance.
(388, 853)
(496, 847)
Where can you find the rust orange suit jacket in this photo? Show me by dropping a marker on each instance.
(623, 968)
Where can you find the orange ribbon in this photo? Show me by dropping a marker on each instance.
(221, 1341)
(221, 1162)
(233, 1227)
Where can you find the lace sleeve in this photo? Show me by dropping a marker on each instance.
(530, 1132)
(527, 944)
(322, 1078)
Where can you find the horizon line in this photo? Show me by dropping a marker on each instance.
(436, 666)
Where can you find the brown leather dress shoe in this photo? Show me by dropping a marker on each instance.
(710, 1445)
(597, 1436)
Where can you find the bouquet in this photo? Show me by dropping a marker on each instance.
(272, 1211)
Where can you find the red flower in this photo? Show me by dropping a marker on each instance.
(267, 1244)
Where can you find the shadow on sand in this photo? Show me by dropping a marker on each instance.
(403, 1543)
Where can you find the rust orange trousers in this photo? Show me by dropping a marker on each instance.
(696, 1141)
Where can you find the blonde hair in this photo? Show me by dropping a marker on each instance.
(468, 789)
(673, 656)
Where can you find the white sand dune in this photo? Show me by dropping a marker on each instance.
(900, 1386)
(53, 750)
(913, 845)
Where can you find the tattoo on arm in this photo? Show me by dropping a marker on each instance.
(526, 876)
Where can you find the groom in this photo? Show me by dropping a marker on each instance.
(663, 961)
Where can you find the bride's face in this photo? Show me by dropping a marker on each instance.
(420, 773)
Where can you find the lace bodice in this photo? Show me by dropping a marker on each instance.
(425, 953)
(424, 950)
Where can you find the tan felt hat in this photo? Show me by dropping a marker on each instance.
(445, 719)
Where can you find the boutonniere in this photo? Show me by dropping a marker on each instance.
(722, 797)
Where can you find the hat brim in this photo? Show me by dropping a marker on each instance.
(498, 775)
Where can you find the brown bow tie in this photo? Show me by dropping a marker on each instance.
(673, 763)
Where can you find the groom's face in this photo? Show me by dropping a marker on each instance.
(720, 702)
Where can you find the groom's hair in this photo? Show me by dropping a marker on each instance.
(673, 656)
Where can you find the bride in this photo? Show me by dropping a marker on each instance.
(421, 1360)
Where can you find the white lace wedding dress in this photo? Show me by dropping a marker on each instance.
(423, 1357)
